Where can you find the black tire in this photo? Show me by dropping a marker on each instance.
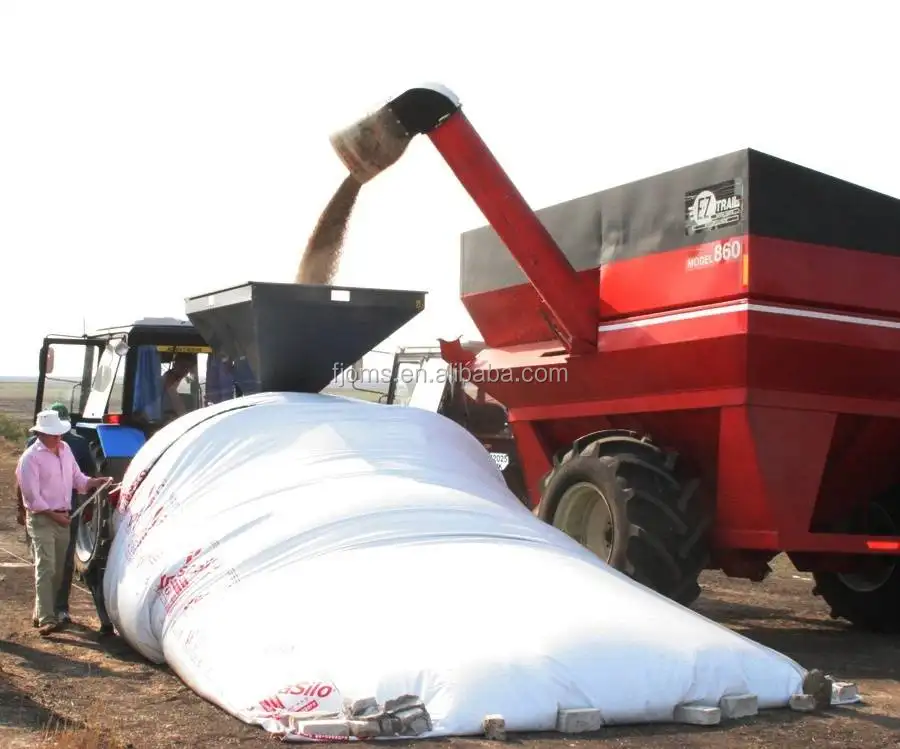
(869, 599)
(654, 528)
(94, 531)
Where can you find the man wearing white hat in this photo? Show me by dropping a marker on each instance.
(47, 473)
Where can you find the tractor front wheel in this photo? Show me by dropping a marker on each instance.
(869, 597)
(618, 496)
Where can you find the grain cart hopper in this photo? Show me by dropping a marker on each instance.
(742, 311)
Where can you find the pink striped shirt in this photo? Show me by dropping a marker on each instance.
(47, 480)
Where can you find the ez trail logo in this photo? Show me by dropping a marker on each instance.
(707, 206)
(713, 207)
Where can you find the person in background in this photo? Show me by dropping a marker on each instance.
(47, 473)
(183, 364)
(82, 453)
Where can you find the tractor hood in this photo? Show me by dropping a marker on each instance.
(285, 337)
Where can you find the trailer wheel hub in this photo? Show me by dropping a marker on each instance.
(876, 570)
(585, 515)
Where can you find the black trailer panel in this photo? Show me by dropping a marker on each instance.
(745, 192)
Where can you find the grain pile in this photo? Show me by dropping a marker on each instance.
(366, 148)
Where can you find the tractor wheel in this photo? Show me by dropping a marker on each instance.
(94, 533)
(618, 496)
(870, 597)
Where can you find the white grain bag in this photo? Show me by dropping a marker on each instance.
(334, 569)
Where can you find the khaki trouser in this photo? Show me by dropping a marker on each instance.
(50, 542)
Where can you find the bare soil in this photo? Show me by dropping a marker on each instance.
(110, 696)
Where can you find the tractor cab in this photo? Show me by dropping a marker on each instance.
(421, 378)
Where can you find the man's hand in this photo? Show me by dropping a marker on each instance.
(60, 518)
(97, 481)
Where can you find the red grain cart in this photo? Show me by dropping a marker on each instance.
(743, 311)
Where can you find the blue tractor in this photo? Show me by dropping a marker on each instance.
(135, 379)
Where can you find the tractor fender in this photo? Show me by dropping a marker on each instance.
(116, 441)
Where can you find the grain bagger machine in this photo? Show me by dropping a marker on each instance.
(728, 333)
(248, 339)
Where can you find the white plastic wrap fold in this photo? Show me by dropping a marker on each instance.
(286, 554)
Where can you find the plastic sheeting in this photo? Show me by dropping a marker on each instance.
(288, 554)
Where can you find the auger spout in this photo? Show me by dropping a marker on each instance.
(377, 141)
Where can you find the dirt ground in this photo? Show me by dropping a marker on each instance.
(74, 679)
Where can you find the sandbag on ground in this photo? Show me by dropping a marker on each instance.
(290, 554)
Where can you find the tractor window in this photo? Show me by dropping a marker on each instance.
(115, 395)
(157, 365)
(189, 389)
(430, 384)
(192, 389)
(192, 386)
(407, 376)
(69, 382)
(105, 380)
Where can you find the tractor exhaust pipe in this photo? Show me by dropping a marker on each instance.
(377, 141)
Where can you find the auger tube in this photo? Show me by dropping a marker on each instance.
(377, 141)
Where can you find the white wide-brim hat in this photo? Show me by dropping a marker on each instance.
(48, 422)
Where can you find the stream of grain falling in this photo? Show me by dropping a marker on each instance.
(320, 260)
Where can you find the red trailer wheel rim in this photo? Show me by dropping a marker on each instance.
(585, 515)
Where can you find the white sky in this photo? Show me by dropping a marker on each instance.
(152, 151)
